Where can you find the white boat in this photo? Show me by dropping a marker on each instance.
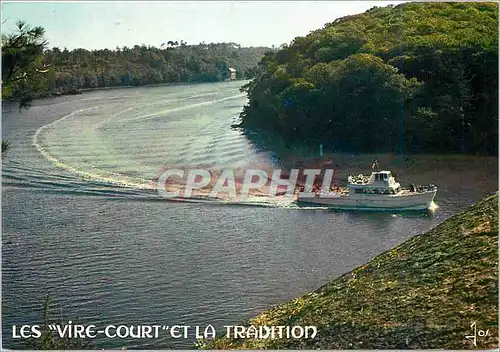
(379, 191)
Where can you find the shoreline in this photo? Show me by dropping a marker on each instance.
(8, 106)
(82, 90)
(421, 294)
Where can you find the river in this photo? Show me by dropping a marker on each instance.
(82, 223)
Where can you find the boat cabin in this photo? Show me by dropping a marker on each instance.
(379, 182)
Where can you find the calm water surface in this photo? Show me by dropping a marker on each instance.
(81, 222)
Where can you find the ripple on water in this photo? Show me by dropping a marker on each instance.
(81, 221)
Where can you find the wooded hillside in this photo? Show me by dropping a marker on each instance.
(417, 77)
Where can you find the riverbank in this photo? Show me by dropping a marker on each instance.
(175, 84)
(45, 98)
(83, 90)
(422, 294)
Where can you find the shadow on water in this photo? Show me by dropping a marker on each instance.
(272, 142)
(410, 214)
(101, 244)
(376, 213)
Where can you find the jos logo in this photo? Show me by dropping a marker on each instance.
(476, 333)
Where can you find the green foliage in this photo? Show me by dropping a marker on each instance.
(422, 77)
(23, 70)
(50, 340)
(200, 344)
(422, 294)
(144, 65)
(5, 146)
(26, 62)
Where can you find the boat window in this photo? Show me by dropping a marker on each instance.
(358, 190)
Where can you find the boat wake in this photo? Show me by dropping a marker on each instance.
(72, 144)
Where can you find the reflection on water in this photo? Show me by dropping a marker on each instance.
(420, 214)
(111, 254)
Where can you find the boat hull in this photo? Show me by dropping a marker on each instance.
(411, 201)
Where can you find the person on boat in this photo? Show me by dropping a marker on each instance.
(316, 188)
(375, 166)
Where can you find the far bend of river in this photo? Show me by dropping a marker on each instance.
(78, 223)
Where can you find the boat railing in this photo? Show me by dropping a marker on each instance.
(426, 188)
(358, 180)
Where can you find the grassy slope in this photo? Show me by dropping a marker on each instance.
(422, 294)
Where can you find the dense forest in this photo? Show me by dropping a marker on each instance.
(417, 77)
(142, 65)
(31, 70)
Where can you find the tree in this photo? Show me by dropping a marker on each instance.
(135, 66)
(418, 76)
(22, 63)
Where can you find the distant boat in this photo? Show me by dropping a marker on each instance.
(379, 191)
